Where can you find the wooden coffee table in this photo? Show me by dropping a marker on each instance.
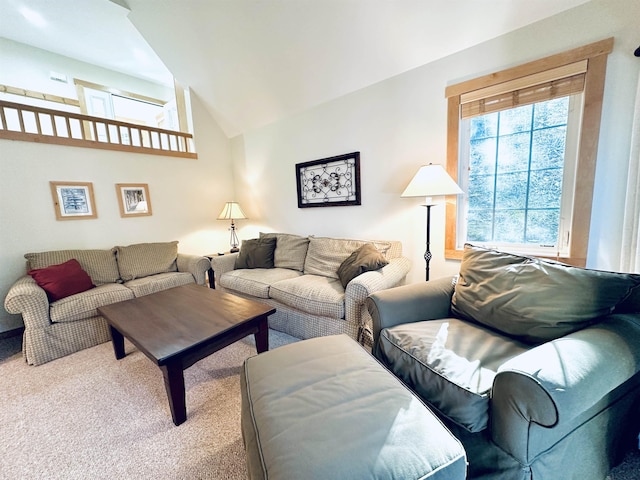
(177, 327)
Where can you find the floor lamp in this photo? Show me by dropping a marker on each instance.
(232, 211)
(430, 181)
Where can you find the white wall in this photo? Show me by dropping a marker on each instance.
(27, 67)
(186, 194)
(397, 125)
(400, 124)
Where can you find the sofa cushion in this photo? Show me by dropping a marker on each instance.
(144, 259)
(291, 250)
(256, 253)
(101, 265)
(364, 259)
(84, 305)
(326, 254)
(314, 294)
(156, 283)
(450, 363)
(255, 282)
(60, 281)
(324, 408)
(533, 299)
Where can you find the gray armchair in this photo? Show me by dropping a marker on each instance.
(524, 406)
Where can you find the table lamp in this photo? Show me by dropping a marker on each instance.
(232, 211)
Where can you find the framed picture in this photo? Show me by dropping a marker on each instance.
(73, 200)
(329, 182)
(134, 199)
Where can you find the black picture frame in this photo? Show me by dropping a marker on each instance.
(329, 182)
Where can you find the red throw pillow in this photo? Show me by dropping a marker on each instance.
(63, 280)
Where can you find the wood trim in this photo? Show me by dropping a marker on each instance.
(546, 76)
(453, 135)
(120, 187)
(587, 156)
(39, 95)
(596, 54)
(76, 142)
(58, 208)
(123, 93)
(181, 106)
(88, 124)
(603, 47)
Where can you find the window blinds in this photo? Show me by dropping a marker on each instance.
(555, 83)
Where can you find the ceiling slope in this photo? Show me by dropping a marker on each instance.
(253, 62)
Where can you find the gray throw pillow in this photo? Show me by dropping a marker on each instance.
(533, 299)
(256, 253)
(291, 250)
(364, 259)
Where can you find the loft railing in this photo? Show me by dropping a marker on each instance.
(37, 124)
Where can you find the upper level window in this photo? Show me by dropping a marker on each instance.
(522, 144)
(107, 102)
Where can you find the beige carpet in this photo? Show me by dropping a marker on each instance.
(90, 416)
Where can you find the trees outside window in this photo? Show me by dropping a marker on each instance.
(522, 145)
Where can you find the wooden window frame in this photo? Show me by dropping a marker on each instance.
(596, 55)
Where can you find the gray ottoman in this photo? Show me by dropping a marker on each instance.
(325, 409)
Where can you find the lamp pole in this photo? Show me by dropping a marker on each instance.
(427, 253)
(234, 239)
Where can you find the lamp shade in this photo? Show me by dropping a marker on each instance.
(431, 181)
(231, 211)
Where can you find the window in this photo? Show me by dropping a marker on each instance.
(522, 145)
(520, 166)
(106, 102)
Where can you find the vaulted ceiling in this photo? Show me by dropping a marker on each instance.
(253, 62)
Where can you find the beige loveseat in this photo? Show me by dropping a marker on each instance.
(305, 288)
(66, 325)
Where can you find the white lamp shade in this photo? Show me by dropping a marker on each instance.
(231, 211)
(431, 181)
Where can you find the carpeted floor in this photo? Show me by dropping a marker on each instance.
(89, 416)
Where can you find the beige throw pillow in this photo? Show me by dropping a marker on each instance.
(326, 254)
(144, 259)
(99, 264)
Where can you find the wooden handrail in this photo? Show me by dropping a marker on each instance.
(36, 124)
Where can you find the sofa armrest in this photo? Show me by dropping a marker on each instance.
(196, 265)
(552, 384)
(25, 297)
(389, 276)
(223, 263)
(410, 303)
(358, 289)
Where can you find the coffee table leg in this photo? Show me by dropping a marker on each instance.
(262, 335)
(118, 342)
(174, 384)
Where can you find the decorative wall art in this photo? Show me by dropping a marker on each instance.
(329, 182)
(134, 199)
(73, 200)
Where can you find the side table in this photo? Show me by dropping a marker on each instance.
(210, 272)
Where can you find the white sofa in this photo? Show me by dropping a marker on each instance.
(305, 288)
(64, 326)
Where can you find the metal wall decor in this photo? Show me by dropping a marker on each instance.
(329, 182)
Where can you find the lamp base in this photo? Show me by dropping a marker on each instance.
(234, 250)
